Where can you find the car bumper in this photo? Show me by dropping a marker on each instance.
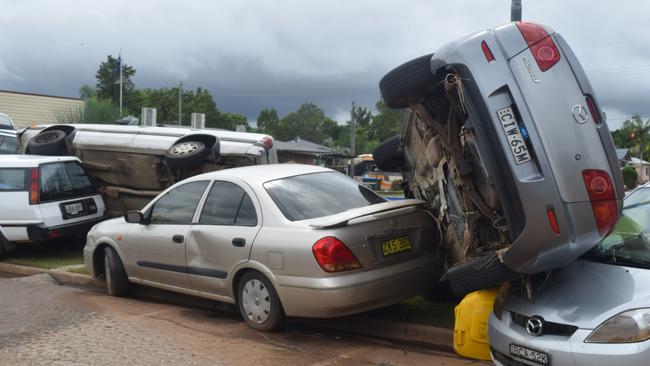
(355, 292)
(562, 351)
(40, 232)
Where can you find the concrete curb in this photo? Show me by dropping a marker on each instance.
(438, 338)
(66, 278)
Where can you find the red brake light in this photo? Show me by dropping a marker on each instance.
(540, 43)
(333, 256)
(34, 187)
(592, 109)
(602, 197)
(552, 220)
(486, 51)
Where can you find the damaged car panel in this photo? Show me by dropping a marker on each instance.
(133, 164)
(505, 141)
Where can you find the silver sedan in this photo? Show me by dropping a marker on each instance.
(595, 311)
(277, 240)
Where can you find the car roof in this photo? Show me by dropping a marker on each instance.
(19, 161)
(258, 174)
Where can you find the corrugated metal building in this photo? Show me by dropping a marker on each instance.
(26, 108)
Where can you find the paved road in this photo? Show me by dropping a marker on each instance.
(43, 323)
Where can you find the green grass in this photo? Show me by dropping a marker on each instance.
(48, 255)
(418, 311)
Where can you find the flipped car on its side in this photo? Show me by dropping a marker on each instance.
(132, 164)
(277, 240)
(505, 141)
(595, 311)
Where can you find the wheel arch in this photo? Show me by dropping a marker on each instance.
(70, 132)
(251, 266)
(98, 256)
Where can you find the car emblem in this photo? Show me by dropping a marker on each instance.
(580, 113)
(535, 326)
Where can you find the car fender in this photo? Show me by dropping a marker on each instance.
(102, 241)
(249, 264)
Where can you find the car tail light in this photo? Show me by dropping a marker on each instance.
(333, 256)
(592, 109)
(552, 220)
(267, 141)
(602, 197)
(34, 187)
(487, 52)
(541, 44)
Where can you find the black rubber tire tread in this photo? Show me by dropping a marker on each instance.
(479, 274)
(55, 145)
(277, 319)
(407, 82)
(187, 161)
(387, 155)
(118, 283)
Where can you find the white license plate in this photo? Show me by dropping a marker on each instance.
(74, 208)
(528, 354)
(515, 140)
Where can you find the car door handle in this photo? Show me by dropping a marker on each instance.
(238, 242)
(178, 239)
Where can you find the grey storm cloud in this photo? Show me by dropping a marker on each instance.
(260, 54)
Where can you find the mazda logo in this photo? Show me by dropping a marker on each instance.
(535, 326)
(580, 113)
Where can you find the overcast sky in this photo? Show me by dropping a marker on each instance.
(260, 54)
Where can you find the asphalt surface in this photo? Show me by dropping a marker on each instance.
(44, 323)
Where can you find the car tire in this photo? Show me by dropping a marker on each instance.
(117, 282)
(388, 156)
(186, 154)
(259, 303)
(50, 142)
(407, 82)
(481, 273)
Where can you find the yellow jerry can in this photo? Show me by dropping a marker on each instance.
(471, 324)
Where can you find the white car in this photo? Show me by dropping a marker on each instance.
(133, 164)
(45, 197)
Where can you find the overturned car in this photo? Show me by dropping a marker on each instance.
(504, 139)
(130, 165)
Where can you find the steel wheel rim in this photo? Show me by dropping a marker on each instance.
(185, 148)
(46, 137)
(256, 301)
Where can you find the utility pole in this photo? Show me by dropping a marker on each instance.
(352, 138)
(515, 11)
(119, 65)
(180, 104)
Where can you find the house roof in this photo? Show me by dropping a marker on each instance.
(302, 146)
(621, 153)
(637, 161)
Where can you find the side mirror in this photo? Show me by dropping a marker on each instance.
(134, 217)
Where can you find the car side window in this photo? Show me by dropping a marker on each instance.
(228, 204)
(178, 205)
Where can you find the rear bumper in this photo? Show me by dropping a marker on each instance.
(40, 232)
(357, 291)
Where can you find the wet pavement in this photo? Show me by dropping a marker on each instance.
(44, 323)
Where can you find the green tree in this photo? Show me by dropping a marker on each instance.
(308, 122)
(230, 121)
(386, 123)
(639, 133)
(87, 92)
(268, 121)
(108, 82)
(630, 177)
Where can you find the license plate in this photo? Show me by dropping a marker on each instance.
(397, 245)
(513, 134)
(528, 354)
(74, 208)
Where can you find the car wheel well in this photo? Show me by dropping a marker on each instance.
(98, 260)
(237, 278)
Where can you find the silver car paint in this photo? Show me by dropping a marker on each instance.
(558, 181)
(583, 294)
(282, 250)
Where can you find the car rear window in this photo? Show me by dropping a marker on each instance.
(13, 179)
(315, 195)
(64, 180)
(8, 145)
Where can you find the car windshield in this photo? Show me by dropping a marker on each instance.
(64, 180)
(629, 243)
(315, 195)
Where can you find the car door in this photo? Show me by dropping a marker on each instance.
(229, 221)
(157, 248)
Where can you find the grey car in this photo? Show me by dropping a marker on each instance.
(595, 311)
(505, 141)
(277, 240)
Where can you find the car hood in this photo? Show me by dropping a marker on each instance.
(584, 294)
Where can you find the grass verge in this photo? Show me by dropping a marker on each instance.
(418, 311)
(53, 254)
